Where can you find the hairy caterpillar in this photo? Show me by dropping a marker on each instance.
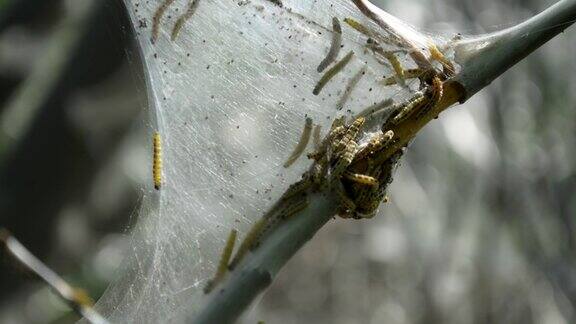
(396, 65)
(316, 136)
(302, 143)
(408, 108)
(334, 46)
(192, 5)
(359, 27)
(281, 214)
(248, 241)
(350, 87)
(223, 264)
(377, 143)
(157, 161)
(157, 19)
(408, 74)
(437, 55)
(361, 178)
(332, 72)
(374, 109)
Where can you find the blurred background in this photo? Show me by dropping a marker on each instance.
(481, 224)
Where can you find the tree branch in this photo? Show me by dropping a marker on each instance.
(485, 58)
(258, 269)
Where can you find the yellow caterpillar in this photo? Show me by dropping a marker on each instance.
(302, 143)
(157, 161)
(223, 264)
(248, 241)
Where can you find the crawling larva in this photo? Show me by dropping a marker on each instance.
(223, 264)
(361, 178)
(157, 161)
(408, 108)
(316, 136)
(359, 27)
(277, 2)
(302, 143)
(350, 87)
(288, 210)
(377, 143)
(372, 110)
(293, 208)
(421, 103)
(351, 134)
(408, 74)
(372, 35)
(192, 5)
(396, 65)
(437, 91)
(344, 161)
(434, 93)
(332, 72)
(157, 19)
(296, 189)
(336, 132)
(437, 55)
(334, 45)
(248, 241)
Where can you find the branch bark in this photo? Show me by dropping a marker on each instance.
(485, 58)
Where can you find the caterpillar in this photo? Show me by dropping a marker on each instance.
(334, 45)
(361, 178)
(295, 189)
(351, 134)
(372, 110)
(374, 37)
(192, 5)
(396, 65)
(223, 264)
(408, 74)
(279, 215)
(408, 108)
(157, 161)
(302, 143)
(316, 136)
(435, 92)
(437, 55)
(248, 241)
(344, 160)
(359, 27)
(293, 208)
(277, 2)
(376, 143)
(350, 87)
(332, 72)
(157, 19)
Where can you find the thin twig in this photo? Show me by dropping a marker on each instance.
(75, 297)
